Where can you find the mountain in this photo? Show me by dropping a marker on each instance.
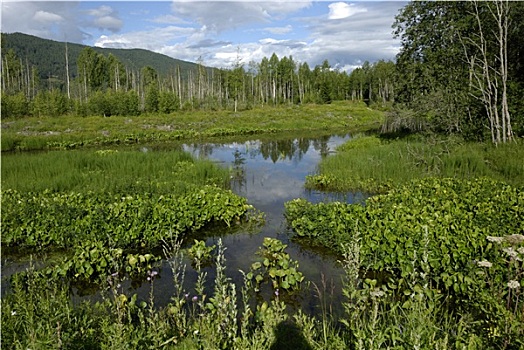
(48, 56)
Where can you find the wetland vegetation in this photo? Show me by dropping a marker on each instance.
(98, 199)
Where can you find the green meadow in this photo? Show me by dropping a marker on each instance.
(68, 132)
(377, 164)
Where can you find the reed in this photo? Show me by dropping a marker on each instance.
(122, 171)
(373, 164)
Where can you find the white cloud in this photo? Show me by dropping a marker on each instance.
(105, 17)
(47, 17)
(153, 40)
(219, 16)
(218, 31)
(279, 30)
(101, 11)
(108, 22)
(57, 20)
(168, 19)
(341, 10)
(50, 20)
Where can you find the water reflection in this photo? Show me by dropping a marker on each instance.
(269, 173)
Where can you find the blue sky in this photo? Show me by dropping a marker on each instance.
(218, 32)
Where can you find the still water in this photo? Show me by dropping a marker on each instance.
(269, 173)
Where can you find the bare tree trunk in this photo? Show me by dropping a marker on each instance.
(502, 17)
(85, 83)
(67, 71)
(481, 79)
(7, 72)
(179, 86)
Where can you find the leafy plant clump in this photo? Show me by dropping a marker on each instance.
(446, 220)
(103, 234)
(63, 220)
(277, 267)
(436, 228)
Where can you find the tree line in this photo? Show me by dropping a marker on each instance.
(104, 85)
(460, 69)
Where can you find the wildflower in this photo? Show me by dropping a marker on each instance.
(512, 253)
(151, 275)
(114, 274)
(495, 239)
(186, 295)
(13, 313)
(484, 263)
(513, 284)
(514, 239)
(277, 292)
(195, 298)
(377, 293)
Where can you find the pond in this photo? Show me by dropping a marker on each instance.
(269, 173)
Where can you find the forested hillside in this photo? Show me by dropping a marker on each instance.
(49, 57)
(460, 69)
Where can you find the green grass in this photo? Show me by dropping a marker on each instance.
(374, 164)
(122, 171)
(73, 132)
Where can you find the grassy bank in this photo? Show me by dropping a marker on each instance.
(116, 171)
(72, 132)
(374, 164)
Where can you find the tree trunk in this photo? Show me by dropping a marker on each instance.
(67, 71)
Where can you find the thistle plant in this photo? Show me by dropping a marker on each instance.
(223, 304)
(175, 310)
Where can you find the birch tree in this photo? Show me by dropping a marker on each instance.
(488, 62)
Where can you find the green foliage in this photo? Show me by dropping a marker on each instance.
(63, 220)
(276, 266)
(92, 261)
(440, 46)
(151, 100)
(14, 106)
(200, 253)
(50, 103)
(167, 102)
(435, 229)
(376, 165)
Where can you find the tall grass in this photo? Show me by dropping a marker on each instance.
(123, 171)
(374, 164)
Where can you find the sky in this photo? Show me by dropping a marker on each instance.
(219, 33)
